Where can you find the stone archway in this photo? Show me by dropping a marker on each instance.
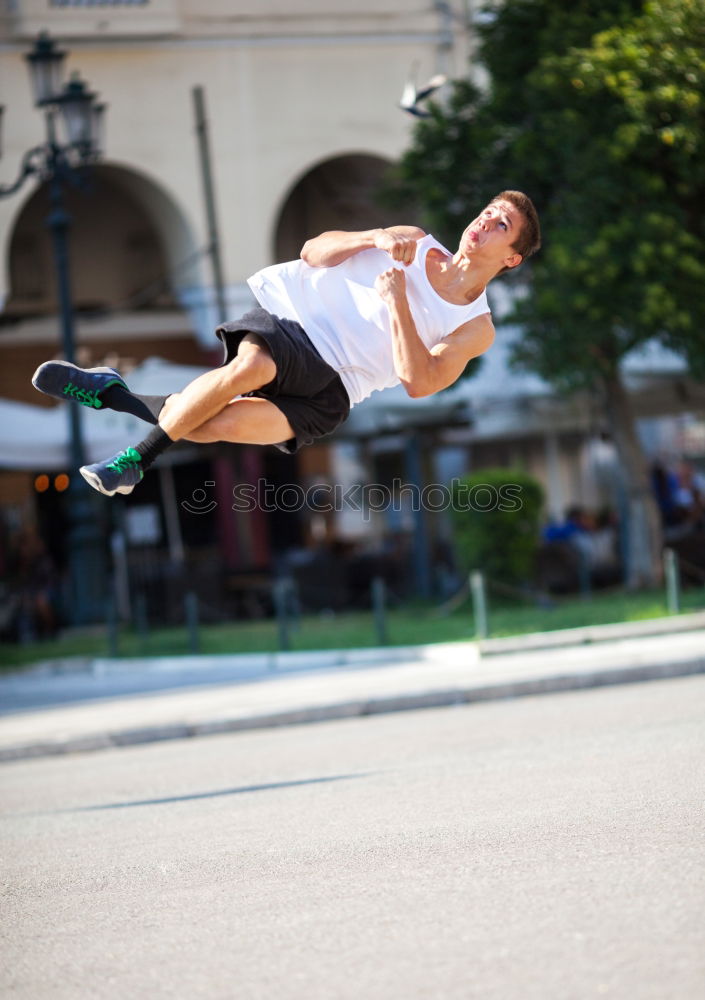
(339, 193)
(130, 248)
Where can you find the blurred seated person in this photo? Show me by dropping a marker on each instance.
(606, 564)
(572, 525)
(690, 494)
(665, 486)
(680, 495)
(591, 540)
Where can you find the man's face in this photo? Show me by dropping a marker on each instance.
(489, 238)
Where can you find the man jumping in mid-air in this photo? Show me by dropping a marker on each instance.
(331, 328)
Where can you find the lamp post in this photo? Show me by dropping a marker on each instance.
(72, 110)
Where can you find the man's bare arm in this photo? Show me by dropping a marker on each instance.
(334, 247)
(423, 372)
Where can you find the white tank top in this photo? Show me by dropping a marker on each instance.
(347, 321)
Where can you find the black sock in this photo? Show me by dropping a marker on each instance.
(145, 407)
(153, 445)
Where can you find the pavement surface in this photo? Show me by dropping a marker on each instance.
(545, 848)
(96, 704)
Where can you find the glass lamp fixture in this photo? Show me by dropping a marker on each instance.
(46, 69)
(77, 111)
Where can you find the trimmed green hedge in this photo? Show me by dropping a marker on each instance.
(497, 514)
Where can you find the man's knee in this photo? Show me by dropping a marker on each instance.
(169, 403)
(255, 359)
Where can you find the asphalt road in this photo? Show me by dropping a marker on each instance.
(547, 848)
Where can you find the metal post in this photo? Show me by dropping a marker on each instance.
(293, 604)
(121, 572)
(58, 163)
(584, 581)
(85, 556)
(191, 605)
(280, 595)
(479, 604)
(141, 621)
(199, 105)
(670, 568)
(171, 515)
(111, 618)
(422, 563)
(378, 607)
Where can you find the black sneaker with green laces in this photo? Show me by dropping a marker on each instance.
(115, 475)
(64, 380)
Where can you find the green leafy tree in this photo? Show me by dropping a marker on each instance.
(596, 109)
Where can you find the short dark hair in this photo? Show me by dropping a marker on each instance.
(528, 240)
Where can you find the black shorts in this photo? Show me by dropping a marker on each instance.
(306, 389)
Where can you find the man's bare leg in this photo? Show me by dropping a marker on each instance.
(206, 396)
(184, 412)
(245, 421)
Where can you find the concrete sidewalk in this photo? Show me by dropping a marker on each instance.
(51, 711)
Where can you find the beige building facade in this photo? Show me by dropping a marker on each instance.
(302, 112)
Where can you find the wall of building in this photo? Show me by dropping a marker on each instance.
(287, 87)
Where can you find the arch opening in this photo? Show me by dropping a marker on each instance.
(342, 192)
(130, 248)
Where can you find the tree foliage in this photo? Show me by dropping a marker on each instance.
(597, 109)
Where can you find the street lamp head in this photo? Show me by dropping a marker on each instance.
(46, 66)
(78, 112)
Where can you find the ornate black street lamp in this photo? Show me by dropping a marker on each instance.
(73, 123)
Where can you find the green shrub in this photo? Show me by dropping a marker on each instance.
(497, 516)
